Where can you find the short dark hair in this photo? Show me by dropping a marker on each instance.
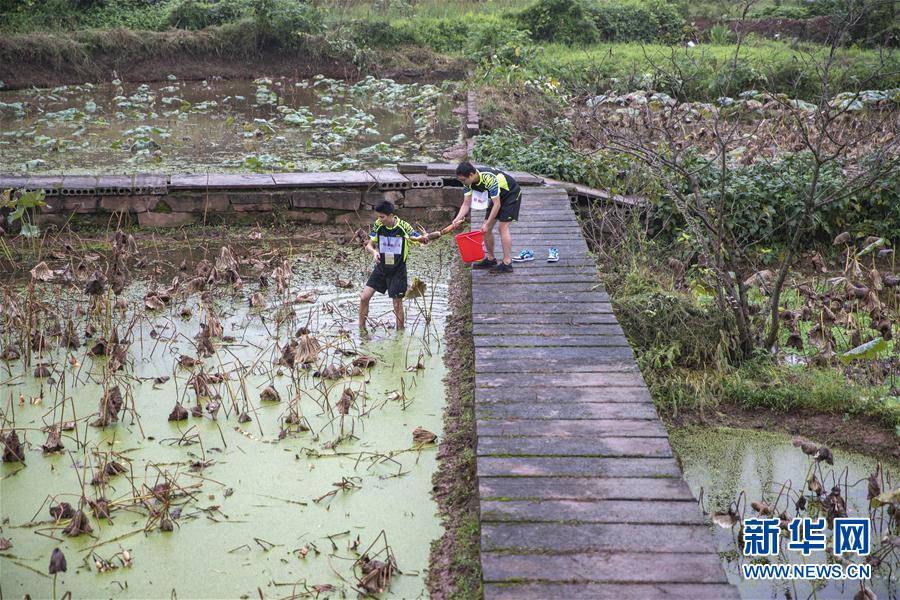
(465, 169)
(385, 207)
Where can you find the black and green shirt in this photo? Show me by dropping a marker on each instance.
(496, 183)
(392, 243)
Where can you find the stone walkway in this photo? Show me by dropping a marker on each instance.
(581, 496)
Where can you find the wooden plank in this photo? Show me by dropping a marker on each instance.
(609, 591)
(601, 447)
(581, 479)
(540, 277)
(597, 511)
(550, 341)
(542, 295)
(503, 308)
(574, 410)
(596, 537)
(551, 357)
(631, 377)
(504, 365)
(546, 318)
(331, 179)
(674, 567)
(642, 428)
(575, 466)
(516, 329)
(566, 395)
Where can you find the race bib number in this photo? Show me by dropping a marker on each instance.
(479, 200)
(390, 247)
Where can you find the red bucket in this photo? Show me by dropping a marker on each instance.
(470, 244)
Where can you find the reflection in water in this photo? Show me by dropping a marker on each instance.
(721, 464)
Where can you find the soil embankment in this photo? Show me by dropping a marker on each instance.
(859, 433)
(47, 59)
(455, 565)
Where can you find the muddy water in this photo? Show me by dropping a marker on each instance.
(721, 463)
(277, 124)
(252, 524)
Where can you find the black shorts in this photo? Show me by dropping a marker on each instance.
(509, 208)
(391, 280)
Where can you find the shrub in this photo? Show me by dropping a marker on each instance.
(478, 38)
(381, 33)
(192, 14)
(874, 21)
(563, 21)
(638, 21)
(767, 201)
(784, 11)
(279, 22)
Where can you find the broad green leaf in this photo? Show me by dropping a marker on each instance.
(888, 497)
(869, 350)
(29, 230)
(872, 247)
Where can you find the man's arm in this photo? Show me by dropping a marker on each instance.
(371, 249)
(464, 209)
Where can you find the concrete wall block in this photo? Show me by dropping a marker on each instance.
(439, 214)
(423, 197)
(306, 216)
(130, 204)
(199, 202)
(241, 198)
(334, 199)
(354, 218)
(453, 196)
(70, 204)
(50, 219)
(171, 219)
(374, 198)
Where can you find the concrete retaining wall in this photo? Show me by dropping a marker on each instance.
(155, 200)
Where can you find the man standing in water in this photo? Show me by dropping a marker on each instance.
(505, 199)
(389, 241)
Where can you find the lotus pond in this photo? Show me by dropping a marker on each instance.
(270, 124)
(739, 473)
(205, 421)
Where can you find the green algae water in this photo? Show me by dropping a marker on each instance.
(283, 505)
(720, 463)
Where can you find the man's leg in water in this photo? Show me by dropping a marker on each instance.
(398, 313)
(367, 294)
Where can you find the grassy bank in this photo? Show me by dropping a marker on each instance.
(498, 38)
(685, 350)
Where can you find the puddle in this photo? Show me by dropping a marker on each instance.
(720, 463)
(264, 515)
(270, 124)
